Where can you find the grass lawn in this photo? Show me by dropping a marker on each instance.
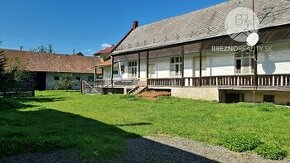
(98, 125)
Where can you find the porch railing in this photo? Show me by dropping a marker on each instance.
(279, 80)
(116, 83)
(166, 82)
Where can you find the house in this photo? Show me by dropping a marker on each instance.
(48, 68)
(105, 55)
(193, 56)
(105, 62)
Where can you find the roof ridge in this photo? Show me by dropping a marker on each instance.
(40, 53)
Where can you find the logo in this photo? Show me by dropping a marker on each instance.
(240, 23)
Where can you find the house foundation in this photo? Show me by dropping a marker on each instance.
(209, 93)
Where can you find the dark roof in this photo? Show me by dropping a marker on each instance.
(202, 24)
(47, 62)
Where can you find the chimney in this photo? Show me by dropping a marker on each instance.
(135, 25)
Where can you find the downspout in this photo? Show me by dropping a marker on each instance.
(112, 71)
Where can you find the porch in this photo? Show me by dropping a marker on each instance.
(238, 81)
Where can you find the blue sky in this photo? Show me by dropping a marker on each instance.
(83, 25)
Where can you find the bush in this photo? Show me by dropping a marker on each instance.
(241, 143)
(271, 152)
(66, 82)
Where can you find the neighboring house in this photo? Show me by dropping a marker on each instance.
(48, 68)
(106, 62)
(106, 59)
(178, 54)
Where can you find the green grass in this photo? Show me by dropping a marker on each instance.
(98, 125)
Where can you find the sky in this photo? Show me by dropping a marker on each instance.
(83, 25)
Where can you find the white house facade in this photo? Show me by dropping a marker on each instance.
(193, 57)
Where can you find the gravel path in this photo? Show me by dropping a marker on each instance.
(152, 149)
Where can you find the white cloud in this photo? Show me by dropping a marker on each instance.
(104, 46)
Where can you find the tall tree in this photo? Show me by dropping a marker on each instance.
(2, 71)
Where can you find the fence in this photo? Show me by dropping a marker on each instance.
(18, 89)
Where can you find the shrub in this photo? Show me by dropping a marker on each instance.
(241, 143)
(271, 152)
(66, 82)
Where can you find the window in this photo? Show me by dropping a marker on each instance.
(78, 78)
(234, 97)
(115, 72)
(122, 69)
(175, 66)
(56, 78)
(269, 98)
(116, 69)
(132, 69)
(245, 62)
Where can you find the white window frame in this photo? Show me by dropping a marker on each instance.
(246, 59)
(132, 69)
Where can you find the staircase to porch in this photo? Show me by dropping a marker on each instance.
(137, 90)
(111, 86)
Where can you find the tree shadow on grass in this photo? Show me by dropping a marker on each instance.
(33, 135)
(41, 100)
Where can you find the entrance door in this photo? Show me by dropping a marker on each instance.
(40, 81)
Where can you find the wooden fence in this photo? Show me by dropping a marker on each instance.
(18, 89)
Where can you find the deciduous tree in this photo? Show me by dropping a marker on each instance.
(66, 82)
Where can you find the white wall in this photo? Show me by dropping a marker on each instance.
(276, 61)
(221, 64)
(107, 71)
(51, 83)
(125, 74)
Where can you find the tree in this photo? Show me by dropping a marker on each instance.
(15, 71)
(2, 70)
(66, 82)
(44, 49)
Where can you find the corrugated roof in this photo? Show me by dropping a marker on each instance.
(46, 62)
(202, 24)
